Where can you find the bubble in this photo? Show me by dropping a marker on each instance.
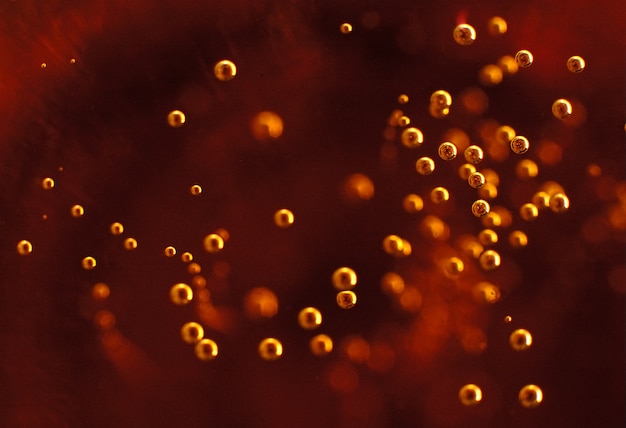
(345, 28)
(403, 99)
(176, 118)
(266, 125)
(439, 195)
(344, 278)
(309, 318)
(490, 75)
(43, 65)
(181, 294)
(88, 263)
(559, 203)
(518, 239)
(438, 112)
(492, 220)
(561, 109)
(528, 212)
(526, 169)
(358, 187)
(259, 303)
(425, 166)
(520, 339)
(470, 395)
(392, 283)
(496, 26)
(104, 320)
(195, 189)
(506, 218)
(488, 191)
(404, 121)
(77, 211)
(186, 257)
(321, 345)
(476, 180)
(346, 299)
(519, 145)
(197, 281)
(487, 237)
(169, 251)
(473, 154)
(116, 228)
(504, 134)
(464, 34)
(47, 183)
(24, 247)
(486, 292)
(213, 243)
(191, 332)
(453, 266)
(206, 350)
(530, 396)
(130, 243)
(434, 227)
(100, 291)
(508, 319)
(441, 98)
(489, 260)
(412, 203)
(73, 61)
(396, 246)
(575, 64)
(270, 349)
(466, 170)
(470, 246)
(480, 208)
(225, 70)
(194, 268)
(283, 218)
(524, 58)
(412, 138)
(541, 200)
(447, 151)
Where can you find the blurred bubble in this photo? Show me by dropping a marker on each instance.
(195, 189)
(486, 292)
(392, 283)
(225, 70)
(266, 125)
(520, 339)
(518, 239)
(496, 26)
(490, 75)
(206, 350)
(358, 187)
(487, 191)
(356, 349)
(559, 203)
(530, 396)
(528, 212)
(453, 266)
(504, 134)
(441, 98)
(541, 200)
(412, 138)
(100, 291)
(259, 303)
(181, 294)
(464, 34)
(447, 151)
(439, 195)
(508, 319)
(561, 109)
(487, 237)
(344, 278)
(412, 203)
(283, 218)
(425, 166)
(213, 243)
(321, 345)
(191, 332)
(526, 169)
(116, 228)
(491, 220)
(395, 246)
(404, 121)
(77, 211)
(309, 318)
(186, 257)
(524, 58)
(88, 263)
(270, 349)
(346, 299)
(176, 118)
(130, 243)
(104, 320)
(550, 153)
(474, 100)
(403, 99)
(24, 247)
(466, 170)
(508, 65)
(194, 268)
(575, 64)
(489, 260)
(470, 395)
(47, 183)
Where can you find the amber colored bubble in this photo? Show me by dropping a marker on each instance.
(425, 166)
(104, 320)
(194, 268)
(488, 191)
(476, 180)
(100, 291)
(541, 200)
(169, 251)
(270, 349)
(524, 58)
(489, 260)
(508, 319)
(561, 109)
(470, 395)
(403, 99)
(490, 75)
(412, 203)
(191, 332)
(266, 125)
(213, 243)
(594, 170)
(77, 211)
(259, 303)
(480, 208)
(412, 138)
(518, 239)
(321, 345)
(530, 396)
(526, 169)
(130, 243)
(504, 134)
(434, 227)
(506, 218)
(346, 299)
(186, 257)
(356, 349)
(549, 152)
(470, 246)
(575, 64)
(225, 70)
(116, 228)
(474, 100)
(344, 278)
(496, 26)
(393, 245)
(486, 292)
(520, 339)
(529, 212)
(176, 118)
(466, 170)
(473, 154)
(195, 189)
(410, 299)
(181, 294)
(441, 98)
(439, 195)
(24, 247)
(358, 187)
(453, 266)
(447, 151)
(438, 112)
(345, 28)
(491, 220)
(487, 237)
(88, 263)
(464, 34)
(310, 318)
(283, 218)
(404, 121)
(519, 145)
(206, 350)
(47, 183)
(392, 283)
(508, 65)
(559, 203)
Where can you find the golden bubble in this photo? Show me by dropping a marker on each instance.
(24, 247)
(453, 266)
(47, 183)
(439, 195)
(438, 112)
(270, 349)
(447, 151)
(359, 187)
(550, 153)
(206, 350)
(475, 101)
(100, 291)
(434, 228)
(309, 318)
(197, 281)
(43, 65)
(191, 332)
(88, 263)
(480, 208)
(104, 320)
(594, 170)
(526, 169)
(561, 109)
(412, 203)
(490, 75)
(412, 138)
(519, 145)
(496, 26)
(575, 64)
(194, 268)
(186, 257)
(356, 349)
(116, 228)
(476, 180)
(77, 211)
(524, 58)
(518, 239)
(520, 339)
(345, 28)
(491, 220)
(473, 154)
(393, 245)
(470, 246)
(259, 303)
(404, 121)
(441, 98)
(346, 299)
(266, 125)
(470, 395)
(489, 260)
(464, 34)
(506, 218)
(181, 294)
(72, 60)
(213, 243)
(403, 99)
(487, 237)
(508, 319)
(559, 203)
(530, 396)
(283, 218)
(225, 70)
(176, 118)
(504, 134)
(488, 191)
(541, 200)
(466, 170)
(425, 165)
(344, 278)
(169, 251)
(486, 292)
(130, 243)
(529, 211)
(195, 189)
(392, 283)
(410, 299)
(321, 345)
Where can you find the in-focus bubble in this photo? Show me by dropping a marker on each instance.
(270, 349)
(283, 218)
(392, 283)
(518, 239)
(116, 228)
(412, 138)
(473, 154)
(344, 278)
(470, 395)
(404, 121)
(575, 64)
(345, 28)
(508, 319)
(181, 294)
(176, 118)
(169, 251)
(24, 247)
(412, 203)
(206, 350)
(77, 211)
(528, 212)
(266, 125)
(439, 195)
(520, 339)
(425, 166)
(394, 245)
(100, 291)
(496, 26)
(466, 170)
(186, 257)
(191, 332)
(453, 266)
(259, 303)
(213, 243)
(487, 237)
(321, 345)
(88, 263)
(541, 200)
(310, 318)
(476, 180)
(490, 75)
(441, 98)
(526, 169)
(561, 109)
(530, 396)
(225, 70)
(480, 208)
(489, 260)
(447, 151)
(195, 189)
(464, 34)
(403, 99)
(346, 299)
(559, 203)
(519, 145)
(47, 183)
(130, 243)
(524, 58)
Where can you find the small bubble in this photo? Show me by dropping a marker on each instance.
(345, 28)
(344, 278)
(489, 260)
(520, 339)
(169, 251)
(225, 70)
(206, 350)
(529, 212)
(496, 26)
(47, 183)
(466, 170)
(403, 99)
(72, 60)
(518, 239)
(526, 169)
(441, 98)
(130, 243)
(486, 292)
(270, 349)
(508, 65)
(470, 395)
(100, 291)
(519, 145)
(480, 208)
(213, 243)
(259, 303)
(561, 109)
(464, 34)
(412, 138)
(195, 189)
(44, 65)
(541, 200)
(321, 345)
(447, 151)
(191, 332)
(396, 246)
(559, 203)
(309, 318)
(425, 166)
(186, 257)
(181, 294)
(524, 58)
(88, 263)
(116, 228)
(508, 319)
(283, 218)
(346, 299)
(487, 237)
(575, 64)
(530, 396)
(439, 195)
(392, 283)
(77, 211)
(194, 268)
(476, 180)
(24, 247)
(473, 154)
(266, 125)
(404, 121)
(412, 203)
(176, 118)
(453, 266)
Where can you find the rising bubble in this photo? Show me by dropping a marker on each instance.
(206, 350)
(309, 318)
(321, 345)
(524, 58)
(270, 349)
(176, 118)
(470, 395)
(283, 218)
(425, 166)
(346, 299)
(561, 109)
(225, 70)
(530, 396)
(464, 34)
(412, 138)
(575, 64)
(24, 247)
(344, 278)
(520, 339)
(447, 151)
(519, 145)
(181, 294)
(191, 332)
